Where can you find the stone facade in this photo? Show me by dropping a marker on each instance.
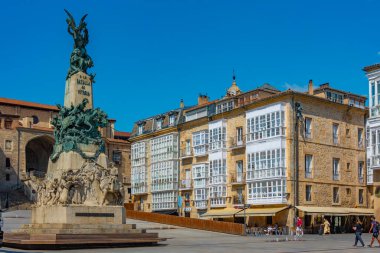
(26, 140)
(331, 132)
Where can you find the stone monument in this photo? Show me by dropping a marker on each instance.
(80, 198)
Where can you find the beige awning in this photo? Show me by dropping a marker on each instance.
(221, 213)
(264, 211)
(325, 210)
(340, 211)
(361, 211)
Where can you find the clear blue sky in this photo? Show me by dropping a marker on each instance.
(150, 54)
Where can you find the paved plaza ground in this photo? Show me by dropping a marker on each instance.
(181, 240)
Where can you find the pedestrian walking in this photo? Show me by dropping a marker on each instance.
(326, 227)
(358, 228)
(299, 231)
(375, 231)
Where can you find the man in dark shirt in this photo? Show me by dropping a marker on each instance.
(375, 231)
(358, 233)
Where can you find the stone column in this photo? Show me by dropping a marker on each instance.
(78, 87)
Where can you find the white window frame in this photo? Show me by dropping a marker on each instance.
(200, 141)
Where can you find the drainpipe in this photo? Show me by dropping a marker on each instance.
(18, 155)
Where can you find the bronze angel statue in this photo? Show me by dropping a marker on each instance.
(79, 60)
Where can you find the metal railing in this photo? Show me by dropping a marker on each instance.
(237, 178)
(237, 142)
(308, 174)
(361, 179)
(186, 184)
(187, 152)
(238, 200)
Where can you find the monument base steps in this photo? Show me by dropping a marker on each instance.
(104, 228)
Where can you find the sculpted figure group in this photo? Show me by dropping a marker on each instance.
(90, 185)
(75, 125)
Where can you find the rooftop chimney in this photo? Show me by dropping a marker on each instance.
(181, 104)
(310, 89)
(202, 99)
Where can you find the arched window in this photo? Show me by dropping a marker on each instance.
(35, 119)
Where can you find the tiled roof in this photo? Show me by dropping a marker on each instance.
(372, 67)
(122, 134)
(28, 104)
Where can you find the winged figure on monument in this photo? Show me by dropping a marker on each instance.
(79, 59)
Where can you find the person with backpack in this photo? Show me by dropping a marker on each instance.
(375, 227)
(358, 228)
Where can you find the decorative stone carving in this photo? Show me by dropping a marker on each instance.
(91, 185)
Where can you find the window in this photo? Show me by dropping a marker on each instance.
(348, 191)
(217, 138)
(266, 126)
(335, 133)
(308, 128)
(378, 92)
(7, 162)
(164, 200)
(8, 124)
(347, 132)
(200, 140)
(266, 164)
(141, 129)
(336, 195)
(373, 103)
(224, 107)
(188, 147)
(335, 169)
(218, 171)
(171, 119)
(361, 196)
(158, 124)
(361, 171)
(138, 169)
(267, 191)
(200, 175)
(8, 145)
(348, 166)
(239, 172)
(239, 136)
(308, 192)
(308, 166)
(35, 119)
(116, 157)
(7, 177)
(360, 138)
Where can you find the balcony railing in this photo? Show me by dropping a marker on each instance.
(187, 152)
(361, 179)
(186, 184)
(238, 200)
(237, 178)
(266, 173)
(237, 142)
(335, 139)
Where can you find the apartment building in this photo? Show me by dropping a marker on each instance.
(244, 151)
(373, 134)
(154, 162)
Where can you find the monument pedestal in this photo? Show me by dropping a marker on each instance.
(78, 215)
(73, 227)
